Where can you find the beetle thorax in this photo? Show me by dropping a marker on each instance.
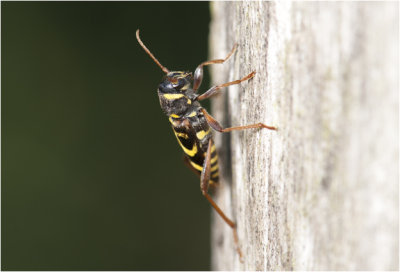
(175, 93)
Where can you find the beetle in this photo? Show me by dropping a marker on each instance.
(191, 123)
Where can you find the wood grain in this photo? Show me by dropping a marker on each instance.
(322, 191)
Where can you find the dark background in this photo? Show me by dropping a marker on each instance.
(92, 175)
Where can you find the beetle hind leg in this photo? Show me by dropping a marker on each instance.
(204, 184)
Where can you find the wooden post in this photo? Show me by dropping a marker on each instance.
(322, 192)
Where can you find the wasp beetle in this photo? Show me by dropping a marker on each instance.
(191, 123)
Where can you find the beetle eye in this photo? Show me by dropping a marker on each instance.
(179, 83)
(173, 80)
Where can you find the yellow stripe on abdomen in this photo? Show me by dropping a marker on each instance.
(196, 166)
(214, 168)
(190, 152)
(213, 148)
(200, 168)
(201, 134)
(214, 159)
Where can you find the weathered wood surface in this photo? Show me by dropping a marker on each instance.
(322, 192)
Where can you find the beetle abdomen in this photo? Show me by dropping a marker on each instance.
(193, 135)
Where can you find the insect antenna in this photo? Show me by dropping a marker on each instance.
(165, 70)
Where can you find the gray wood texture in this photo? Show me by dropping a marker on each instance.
(322, 192)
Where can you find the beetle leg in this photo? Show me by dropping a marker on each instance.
(214, 90)
(198, 73)
(215, 125)
(204, 182)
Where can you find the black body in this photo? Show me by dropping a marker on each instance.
(178, 101)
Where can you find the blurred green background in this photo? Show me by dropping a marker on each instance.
(92, 175)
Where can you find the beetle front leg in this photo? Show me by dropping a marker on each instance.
(214, 90)
(198, 73)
